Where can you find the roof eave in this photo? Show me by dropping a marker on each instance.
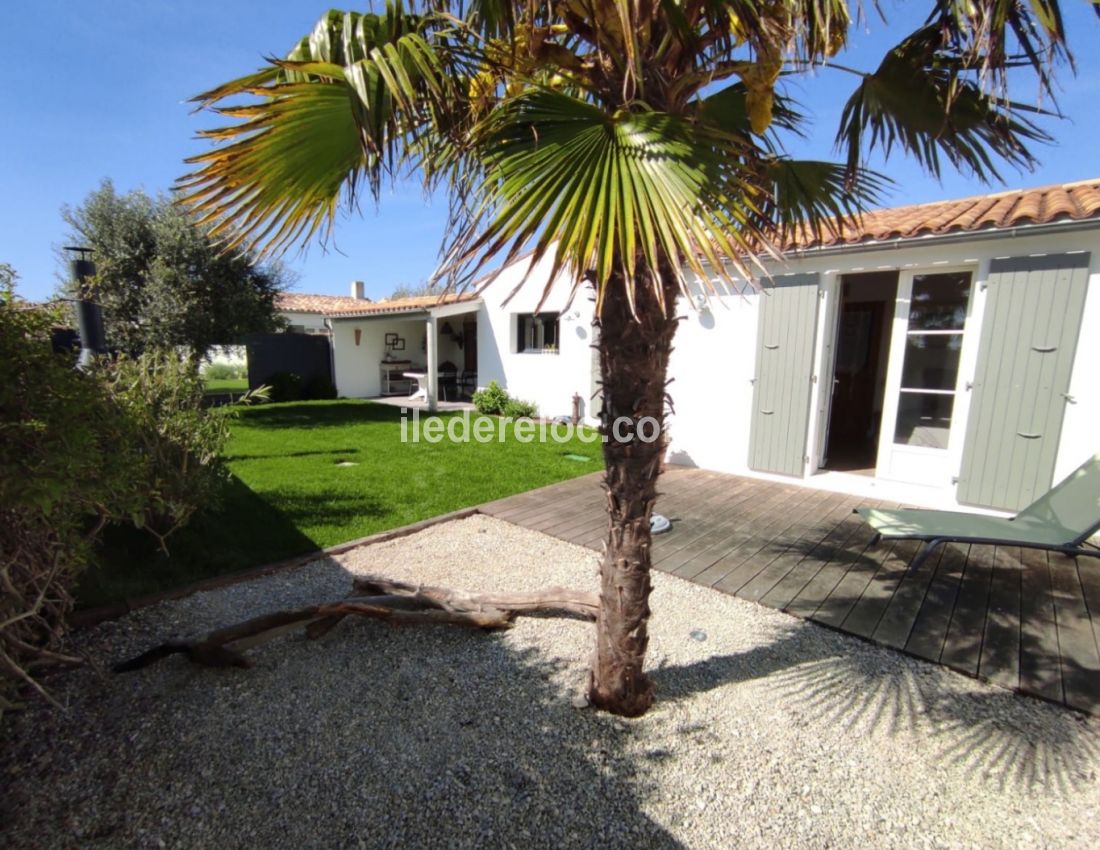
(982, 234)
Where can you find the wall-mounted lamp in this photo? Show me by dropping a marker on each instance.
(451, 334)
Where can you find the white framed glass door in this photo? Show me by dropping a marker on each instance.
(923, 381)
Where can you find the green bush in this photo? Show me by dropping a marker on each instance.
(225, 372)
(285, 386)
(491, 399)
(319, 388)
(495, 400)
(514, 408)
(62, 477)
(179, 440)
(125, 443)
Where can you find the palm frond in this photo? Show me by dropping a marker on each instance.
(607, 193)
(922, 99)
(811, 197)
(346, 108)
(728, 110)
(994, 35)
(280, 178)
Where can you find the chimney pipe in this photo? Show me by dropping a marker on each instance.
(357, 290)
(89, 315)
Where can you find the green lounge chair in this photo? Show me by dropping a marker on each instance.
(1062, 521)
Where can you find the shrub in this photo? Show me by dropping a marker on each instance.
(62, 477)
(491, 399)
(319, 387)
(225, 372)
(514, 408)
(161, 413)
(495, 400)
(285, 386)
(127, 442)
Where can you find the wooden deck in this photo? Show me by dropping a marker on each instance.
(1020, 618)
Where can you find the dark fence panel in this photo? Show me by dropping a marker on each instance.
(304, 355)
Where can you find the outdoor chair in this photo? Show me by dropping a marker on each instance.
(1063, 520)
(448, 380)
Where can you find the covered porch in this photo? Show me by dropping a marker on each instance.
(418, 352)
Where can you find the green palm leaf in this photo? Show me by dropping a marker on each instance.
(607, 192)
(295, 155)
(920, 99)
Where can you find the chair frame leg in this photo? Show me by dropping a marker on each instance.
(925, 553)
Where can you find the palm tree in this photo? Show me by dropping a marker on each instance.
(638, 143)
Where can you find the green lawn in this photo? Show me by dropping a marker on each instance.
(227, 385)
(290, 495)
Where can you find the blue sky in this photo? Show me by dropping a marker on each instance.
(97, 90)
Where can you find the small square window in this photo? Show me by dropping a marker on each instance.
(537, 333)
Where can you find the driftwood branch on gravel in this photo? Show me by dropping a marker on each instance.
(398, 603)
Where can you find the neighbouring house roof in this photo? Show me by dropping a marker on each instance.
(296, 302)
(1076, 201)
(400, 305)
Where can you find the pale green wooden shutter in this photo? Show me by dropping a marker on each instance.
(784, 373)
(1025, 358)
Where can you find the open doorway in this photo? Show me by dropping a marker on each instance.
(864, 322)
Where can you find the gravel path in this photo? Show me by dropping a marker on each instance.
(769, 732)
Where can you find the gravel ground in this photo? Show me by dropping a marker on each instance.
(769, 732)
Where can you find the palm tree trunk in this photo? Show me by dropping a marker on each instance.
(634, 355)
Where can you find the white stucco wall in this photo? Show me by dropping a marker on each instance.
(357, 366)
(311, 322)
(548, 380)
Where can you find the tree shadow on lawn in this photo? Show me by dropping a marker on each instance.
(244, 531)
(371, 737)
(996, 737)
(233, 457)
(320, 414)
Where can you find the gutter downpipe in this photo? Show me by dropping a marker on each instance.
(327, 322)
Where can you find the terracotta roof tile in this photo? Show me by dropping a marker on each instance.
(297, 302)
(343, 306)
(1042, 205)
(403, 305)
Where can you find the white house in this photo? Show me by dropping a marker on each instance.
(936, 354)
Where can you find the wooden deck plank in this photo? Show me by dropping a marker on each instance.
(1040, 663)
(830, 512)
(1088, 570)
(761, 526)
(709, 535)
(735, 532)
(962, 647)
(567, 497)
(1076, 644)
(1020, 618)
(793, 583)
(864, 617)
(822, 585)
(929, 632)
(896, 624)
(588, 523)
(836, 607)
(1000, 659)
